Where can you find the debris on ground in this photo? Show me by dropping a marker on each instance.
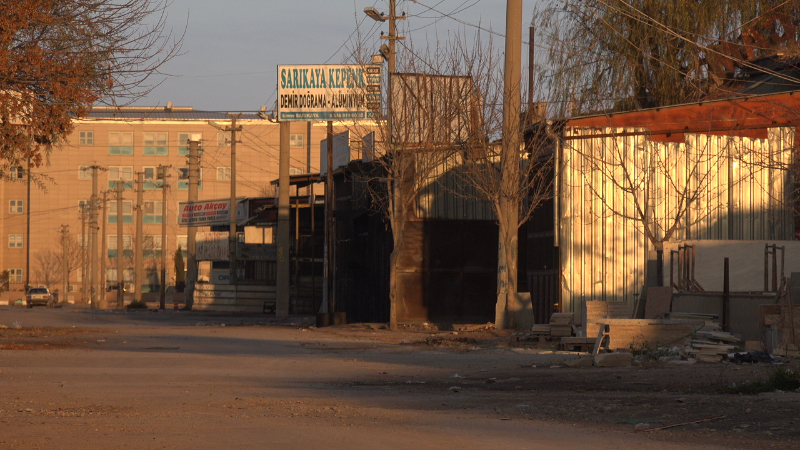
(712, 346)
(751, 357)
(439, 341)
(646, 427)
(586, 361)
(614, 359)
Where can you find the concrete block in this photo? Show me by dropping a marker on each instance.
(621, 359)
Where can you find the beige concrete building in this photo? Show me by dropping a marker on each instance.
(122, 142)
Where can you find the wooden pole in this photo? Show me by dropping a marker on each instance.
(138, 257)
(84, 276)
(103, 251)
(93, 205)
(162, 298)
(284, 224)
(120, 249)
(327, 288)
(64, 297)
(726, 297)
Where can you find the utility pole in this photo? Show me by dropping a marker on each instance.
(390, 59)
(83, 254)
(64, 297)
(232, 241)
(162, 174)
(103, 252)
(120, 250)
(28, 227)
(508, 209)
(93, 243)
(327, 268)
(191, 243)
(308, 148)
(531, 54)
(137, 252)
(284, 234)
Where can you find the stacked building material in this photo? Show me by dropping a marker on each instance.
(561, 324)
(596, 311)
(538, 333)
(712, 345)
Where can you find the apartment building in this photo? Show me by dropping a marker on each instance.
(121, 142)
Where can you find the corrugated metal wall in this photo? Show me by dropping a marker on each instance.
(447, 194)
(737, 188)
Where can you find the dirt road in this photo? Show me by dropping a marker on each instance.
(79, 379)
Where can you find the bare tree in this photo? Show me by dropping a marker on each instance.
(47, 269)
(513, 181)
(447, 122)
(666, 188)
(59, 57)
(72, 249)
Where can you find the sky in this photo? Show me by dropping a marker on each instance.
(231, 50)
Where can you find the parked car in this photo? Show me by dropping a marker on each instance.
(115, 286)
(38, 296)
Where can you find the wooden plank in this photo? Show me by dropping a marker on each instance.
(602, 340)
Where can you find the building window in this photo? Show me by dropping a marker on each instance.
(183, 142)
(295, 171)
(85, 173)
(14, 241)
(223, 139)
(86, 138)
(223, 174)
(155, 144)
(152, 247)
(183, 179)
(296, 140)
(152, 178)
(15, 275)
(120, 143)
(127, 212)
(127, 244)
(111, 275)
(16, 206)
(152, 212)
(120, 173)
(16, 173)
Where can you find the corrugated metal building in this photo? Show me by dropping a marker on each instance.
(716, 170)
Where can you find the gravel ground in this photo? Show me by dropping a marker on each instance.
(75, 378)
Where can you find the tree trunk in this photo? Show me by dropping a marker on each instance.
(507, 309)
(393, 297)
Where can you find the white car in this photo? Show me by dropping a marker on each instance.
(38, 296)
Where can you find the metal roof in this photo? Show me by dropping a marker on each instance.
(165, 113)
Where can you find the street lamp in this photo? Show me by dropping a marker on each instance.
(374, 14)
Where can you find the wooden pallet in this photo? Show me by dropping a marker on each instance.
(577, 344)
